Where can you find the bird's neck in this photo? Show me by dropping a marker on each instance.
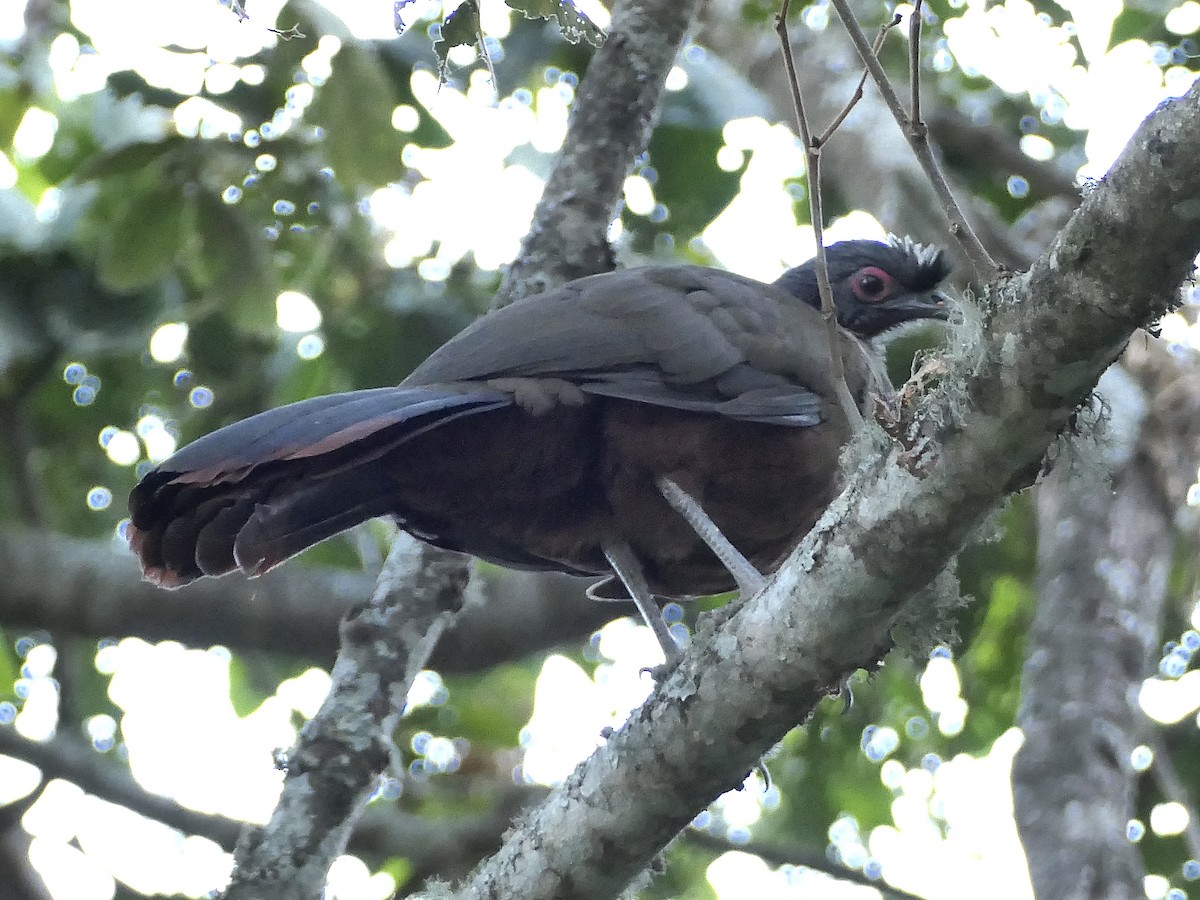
(801, 282)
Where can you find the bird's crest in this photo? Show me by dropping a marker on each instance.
(928, 260)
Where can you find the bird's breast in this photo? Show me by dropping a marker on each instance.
(545, 491)
(763, 485)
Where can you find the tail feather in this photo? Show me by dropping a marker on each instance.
(308, 514)
(214, 554)
(259, 491)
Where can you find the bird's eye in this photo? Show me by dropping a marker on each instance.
(871, 284)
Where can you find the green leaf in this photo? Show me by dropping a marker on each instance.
(573, 24)
(13, 106)
(399, 868)
(144, 240)
(254, 678)
(1136, 24)
(234, 262)
(460, 29)
(10, 666)
(693, 187)
(130, 158)
(127, 83)
(355, 109)
(492, 709)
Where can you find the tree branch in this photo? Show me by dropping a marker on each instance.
(1174, 789)
(71, 586)
(442, 848)
(990, 148)
(808, 858)
(609, 128)
(1105, 554)
(343, 750)
(1103, 560)
(1045, 338)
(918, 138)
(96, 773)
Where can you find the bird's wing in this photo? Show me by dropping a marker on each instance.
(686, 337)
(755, 397)
(322, 425)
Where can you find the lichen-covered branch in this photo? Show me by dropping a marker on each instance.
(342, 751)
(1105, 552)
(1103, 560)
(911, 502)
(610, 126)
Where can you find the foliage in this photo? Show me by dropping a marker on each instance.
(130, 221)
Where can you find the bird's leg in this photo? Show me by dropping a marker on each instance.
(629, 570)
(748, 579)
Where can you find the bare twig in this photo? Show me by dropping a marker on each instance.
(858, 91)
(914, 60)
(812, 157)
(918, 138)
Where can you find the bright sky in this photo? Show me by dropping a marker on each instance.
(952, 834)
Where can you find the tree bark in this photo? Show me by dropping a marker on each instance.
(344, 750)
(1026, 359)
(1103, 559)
(1105, 551)
(86, 588)
(609, 128)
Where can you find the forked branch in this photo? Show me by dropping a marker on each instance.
(812, 157)
(917, 134)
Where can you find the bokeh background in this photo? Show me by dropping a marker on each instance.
(202, 217)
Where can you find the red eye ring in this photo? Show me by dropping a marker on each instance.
(871, 284)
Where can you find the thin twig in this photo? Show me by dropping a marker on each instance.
(812, 157)
(914, 61)
(790, 63)
(918, 139)
(858, 91)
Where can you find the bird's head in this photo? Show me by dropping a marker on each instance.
(876, 286)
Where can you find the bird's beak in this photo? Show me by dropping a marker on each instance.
(932, 305)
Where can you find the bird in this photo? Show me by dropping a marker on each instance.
(674, 429)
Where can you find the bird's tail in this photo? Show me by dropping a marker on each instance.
(261, 490)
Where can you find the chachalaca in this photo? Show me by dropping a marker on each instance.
(568, 431)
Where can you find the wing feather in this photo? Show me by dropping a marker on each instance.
(676, 336)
